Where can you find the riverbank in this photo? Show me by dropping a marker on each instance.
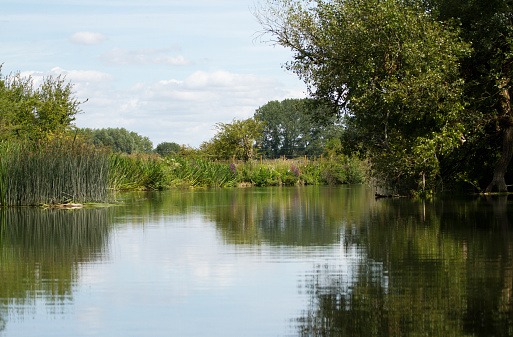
(65, 170)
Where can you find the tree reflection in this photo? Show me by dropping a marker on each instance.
(40, 251)
(439, 268)
(292, 216)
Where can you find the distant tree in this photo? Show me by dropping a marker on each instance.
(33, 112)
(119, 139)
(295, 127)
(234, 140)
(166, 148)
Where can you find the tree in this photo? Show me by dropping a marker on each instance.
(290, 129)
(234, 140)
(119, 139)
(488, 25)
(33, 112)
(390, 68)
(166, 148)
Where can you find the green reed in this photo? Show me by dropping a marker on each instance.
(52, 171)
(200, 172)
(138, 172)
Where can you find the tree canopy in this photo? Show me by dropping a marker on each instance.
(34, 112)
(166, 148)
(119, 139)
(420, 82)
(234, 140)
(289, 127)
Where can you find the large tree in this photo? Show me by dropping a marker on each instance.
(391, 68)
(34, 112)
(119, 139)
(234, 140)
(488, 25)
(289, 127)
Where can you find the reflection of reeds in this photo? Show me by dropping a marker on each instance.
(54, 171)
(40, 250)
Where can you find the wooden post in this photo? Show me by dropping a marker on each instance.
(260, 159)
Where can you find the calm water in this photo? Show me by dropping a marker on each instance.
(305, 261)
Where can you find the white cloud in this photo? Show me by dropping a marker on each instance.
(182, 111)
(120, 56)
(76, 77)
(87, 38)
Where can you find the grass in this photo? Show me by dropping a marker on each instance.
(53, 171)
(64, 170)
(138, 172)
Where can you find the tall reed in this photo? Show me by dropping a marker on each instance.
(200, 172)
(138, 172)
(52, 171)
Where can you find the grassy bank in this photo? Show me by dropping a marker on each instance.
(64, 170)
(153, 172)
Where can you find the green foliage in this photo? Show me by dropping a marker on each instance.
(200, 172)
(391, 68)
(52, 171)
(167, 148)
(33, 112)
(119, 140)
(262, 176)
(295, 127)
(234, 140)
(138, 172)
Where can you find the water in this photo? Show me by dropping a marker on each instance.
(299, 261)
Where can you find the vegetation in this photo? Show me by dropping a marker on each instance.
(52, 171)
(423, 85)
(295, 127)
(234, 140)
(44, 161)
(29, 112)
(119, 140)
(138, 171)
(167, 148)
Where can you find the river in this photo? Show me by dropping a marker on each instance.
(280, 261)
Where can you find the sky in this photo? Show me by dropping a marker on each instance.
(166, 69)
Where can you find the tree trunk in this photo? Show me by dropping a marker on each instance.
(502, 165)
(507, 142)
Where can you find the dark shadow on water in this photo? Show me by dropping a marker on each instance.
(420, 268)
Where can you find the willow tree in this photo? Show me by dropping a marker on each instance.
(390, 68)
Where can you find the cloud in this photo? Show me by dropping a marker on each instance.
(183, 111)
(120, 56)
(74, 76)
(87, 38)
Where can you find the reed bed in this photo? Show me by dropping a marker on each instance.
(138, 172)
(201, 172)
(52, 171)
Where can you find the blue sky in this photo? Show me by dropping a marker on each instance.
(168, 70)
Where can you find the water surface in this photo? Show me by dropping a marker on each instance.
(298, 261)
